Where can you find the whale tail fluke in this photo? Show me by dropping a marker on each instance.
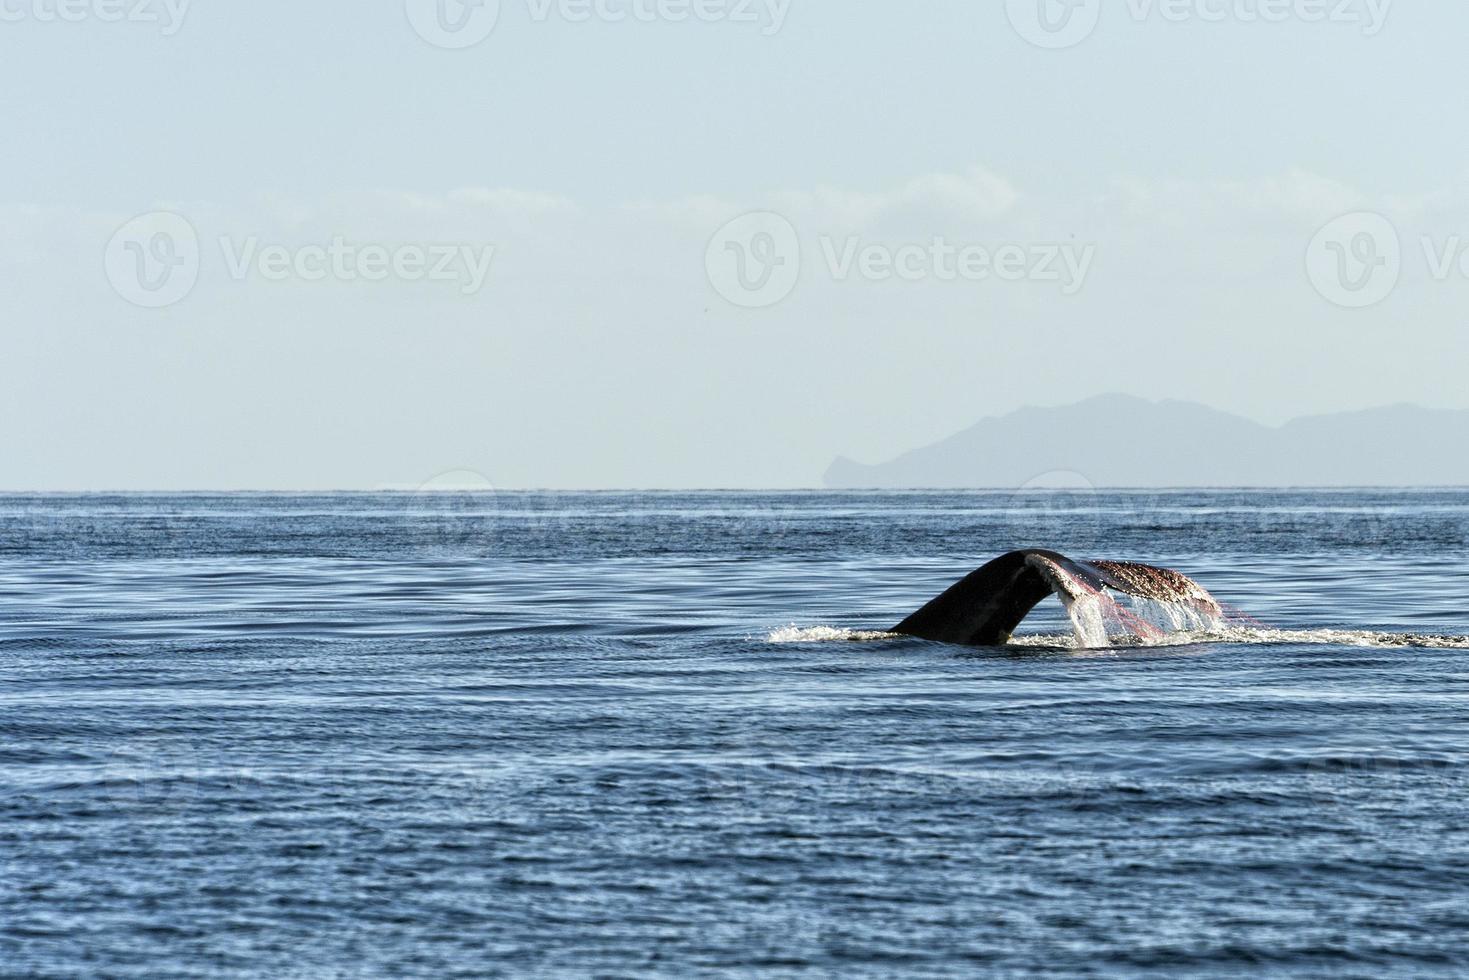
(985, 607)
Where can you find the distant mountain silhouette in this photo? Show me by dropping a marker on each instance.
(1121, 441)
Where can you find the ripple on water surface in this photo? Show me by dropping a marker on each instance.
(565, 734)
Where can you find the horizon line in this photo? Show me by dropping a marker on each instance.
(491, 491)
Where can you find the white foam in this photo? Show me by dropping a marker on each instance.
(824, 634)
(1339, 637)
(1045, 641)
(1255, 636)
(1222, 635)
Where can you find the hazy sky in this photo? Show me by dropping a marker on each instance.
(389, 253)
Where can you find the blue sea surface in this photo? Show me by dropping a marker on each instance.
(654, 735)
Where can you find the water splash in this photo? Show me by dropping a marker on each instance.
(825, 634)
(1088, 613)
(1097, 615)
(1341, 637)
(1170, 617)
(1234, 635)
(1228, 634)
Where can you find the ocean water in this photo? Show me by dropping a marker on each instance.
(664, 735)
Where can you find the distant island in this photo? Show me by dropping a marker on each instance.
(1121, 441)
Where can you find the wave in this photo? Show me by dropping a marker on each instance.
(1227, 635)
(1256, 636)
(828, 634)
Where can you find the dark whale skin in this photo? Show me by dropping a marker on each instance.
(984, 608)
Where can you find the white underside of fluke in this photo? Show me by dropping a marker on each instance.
(1095, 613)
(1085, 607)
